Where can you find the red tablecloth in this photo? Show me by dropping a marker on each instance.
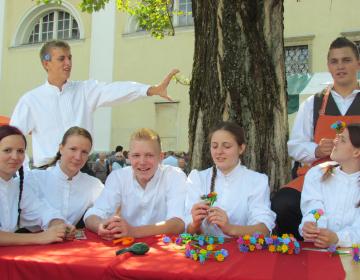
(95, 258)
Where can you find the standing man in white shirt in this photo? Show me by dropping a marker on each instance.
(51, 109)
(311, 140)
(151, 195)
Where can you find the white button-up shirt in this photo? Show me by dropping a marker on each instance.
(244, 195)
(70, 197)
(337, 196)
(33, 211)
(49, 113)
(162, 199)
(301, 144)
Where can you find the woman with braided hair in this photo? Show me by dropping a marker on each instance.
(243, 196)
(62, 184)
(18, 201)
(334, 187)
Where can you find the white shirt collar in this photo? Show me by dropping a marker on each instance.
(153, 180)
(355, 175)
(62, 175)
(331, 85)
(55, 88)
(232, 175)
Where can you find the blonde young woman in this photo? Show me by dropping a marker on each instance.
(243, 205)
(18, 201)
(63, 185)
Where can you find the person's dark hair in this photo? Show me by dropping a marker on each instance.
(239, 135)
(170, 153)
(75, 130)
(342, 42)
(118, 149)
(5, 131)
(354, 136)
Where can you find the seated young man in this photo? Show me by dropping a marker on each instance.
(151, 195)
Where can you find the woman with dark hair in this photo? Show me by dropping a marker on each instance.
(63, 185)
(334, 187)
(18, 202)
(243, 203)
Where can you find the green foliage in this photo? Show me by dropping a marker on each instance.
(155, 15)
(180, 79)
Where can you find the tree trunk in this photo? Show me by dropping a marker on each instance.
(239, 76)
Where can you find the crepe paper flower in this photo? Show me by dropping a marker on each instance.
(264, 246)
(269, 241)
(210, 247)
(258, 246)
(284, 236)
(221, 240)
(187, 247)
(173, 239)
(262, 236)
(193, 252)
(187, 254)
(291, 245)
(178, 241)
(256, 235)
(247, 237)
(201, 243)
(211, 240)
(251, 248)
(286, 241)
(208, 253)
(261, 240)
(47, 57)
(284, 248)
(290, 252)
(278, 248)
(297, 245)
(211, 258)
(166, 239)
(297, 251)
(202, 259)
(220, 258)
(212, 197)
(195, 257)
(244, 249)
(202, 251)
(338, 126)
(276, 242)
(124, 241)
(224, 253)
(241, 241)
(272, 248)
(138, 249)
(252, 240)
(247, 242)
(317, 214)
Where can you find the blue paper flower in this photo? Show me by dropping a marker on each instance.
(166, 239)
(202, 259)
(224, 253)
(334, 126)
(221, 240)
(286, 241)
(188, 254)
(211, 240)
(47, 57)
(313, 211)
(201, 243)
(296, 244)
(252, 240)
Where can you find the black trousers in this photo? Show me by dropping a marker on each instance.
(286, 205)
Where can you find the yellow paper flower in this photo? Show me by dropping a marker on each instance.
(278, 248)
(220, 257)
(342, 124)
(272, 248)
(284, 248)
(356, 246)
(261, 241)
(284, 236)
(251, 248)
(214, 193)
(202, 251)
(209, 247)
(247, 237)
(317, 216)
(195, 257)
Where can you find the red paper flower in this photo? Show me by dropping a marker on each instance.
(329, 253)
(192, 247)
(247, 243)
(211, 258)
(290, 252)
(291, 245)
(210, 195)
(261, 236)
(173, 239)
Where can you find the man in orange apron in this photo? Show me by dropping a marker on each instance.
(311, 140)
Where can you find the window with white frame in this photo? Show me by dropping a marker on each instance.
(54, 25)
(296, 60)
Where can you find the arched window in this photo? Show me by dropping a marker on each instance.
(44, 22)
(54, 25)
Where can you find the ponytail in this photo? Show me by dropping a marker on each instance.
(328, 170)
(21, 175)
(52, 163)
(213, 177)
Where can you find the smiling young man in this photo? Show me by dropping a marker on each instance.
(151, 195)
(311, 140)
(51, 109)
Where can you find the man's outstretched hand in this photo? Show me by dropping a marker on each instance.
(161, 89)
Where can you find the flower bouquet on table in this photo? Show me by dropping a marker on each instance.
(285, 244)
(338, 126)
(202, 255)
(200, 240)
(355, 252)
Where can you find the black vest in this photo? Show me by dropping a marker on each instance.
(331, 107)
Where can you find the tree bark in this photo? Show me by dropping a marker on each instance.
(239, 76)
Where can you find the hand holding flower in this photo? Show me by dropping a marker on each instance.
(326, 238)
(219, 217)
(199, 212)
(310, 231)
(324, 148)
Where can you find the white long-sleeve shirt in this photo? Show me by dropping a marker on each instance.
(49, 113)
(301, 144)
(70, 197)
(34, 211)
(162, 199)
(337, 196)
(244, 195)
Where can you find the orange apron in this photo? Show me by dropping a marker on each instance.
(323, 130)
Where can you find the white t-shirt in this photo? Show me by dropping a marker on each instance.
(244, 195)
(71, 197)
(301, 144)
(162, 199)
(49, 113)
(34, 211)
(337, 196)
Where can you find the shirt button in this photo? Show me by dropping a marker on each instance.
(6, 212)
(340, 208)
(65, 195)
(7, 228)
(223, 206)
(337, 224)
(65, 208)
(143, 199)
(4, 196)
(65, 121)
(144, 214)
(4, 186)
